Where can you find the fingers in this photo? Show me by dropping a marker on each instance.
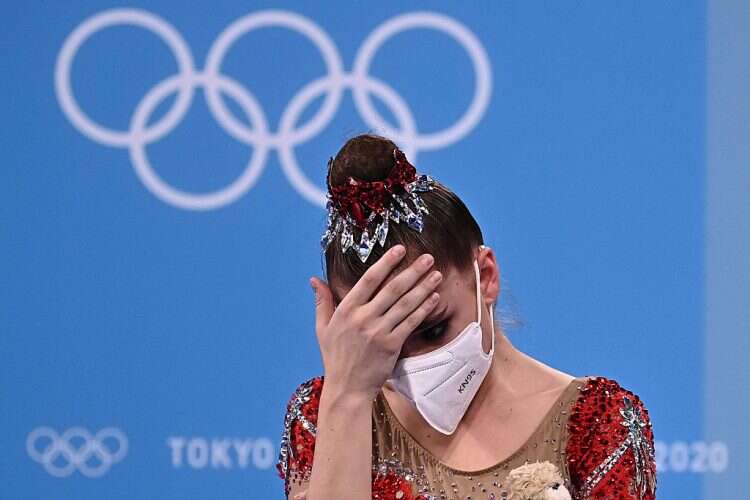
(410, 301)
(323, 303)
(372, 278)
(301, 496)
(401, 284)
(413, 320)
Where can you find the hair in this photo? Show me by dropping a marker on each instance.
(450, 233)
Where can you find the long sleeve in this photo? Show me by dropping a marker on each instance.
(610, 448)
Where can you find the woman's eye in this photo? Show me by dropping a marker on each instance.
(434, 333)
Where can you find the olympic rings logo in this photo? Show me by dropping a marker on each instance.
(259, 135)
(77, 449)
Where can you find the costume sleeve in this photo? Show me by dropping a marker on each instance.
(610, 448)
(390, 481)
(298, 438)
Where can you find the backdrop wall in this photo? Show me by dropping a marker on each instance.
(162, 206)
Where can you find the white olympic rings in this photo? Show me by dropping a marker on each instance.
(76, 449)
(260, 137)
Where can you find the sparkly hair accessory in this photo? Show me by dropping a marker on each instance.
(386, 199)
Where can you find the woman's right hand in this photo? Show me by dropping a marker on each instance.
(360, 340)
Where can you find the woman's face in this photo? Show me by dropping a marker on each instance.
(457, 306)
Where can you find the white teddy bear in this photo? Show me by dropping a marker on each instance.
(537, 481)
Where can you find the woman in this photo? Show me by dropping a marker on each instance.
(424, 395)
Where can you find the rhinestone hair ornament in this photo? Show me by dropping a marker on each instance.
(385, 200)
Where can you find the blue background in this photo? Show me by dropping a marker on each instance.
(586, 173)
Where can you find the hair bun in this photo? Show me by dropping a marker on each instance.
(358, 202)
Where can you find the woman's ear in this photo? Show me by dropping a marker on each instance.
(489, 274)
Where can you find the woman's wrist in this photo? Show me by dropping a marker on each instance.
(335, 395)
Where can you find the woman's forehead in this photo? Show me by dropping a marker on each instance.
(452, 282)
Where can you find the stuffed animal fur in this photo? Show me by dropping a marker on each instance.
(537, 481)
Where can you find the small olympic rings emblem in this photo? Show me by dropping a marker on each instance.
(259, 135)
(77, 449)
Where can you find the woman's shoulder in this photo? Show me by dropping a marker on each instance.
(610, 439)
(302, 406)
(599, 388)
(603, 403)
(307, 390)
(600, 400)
(300, 426)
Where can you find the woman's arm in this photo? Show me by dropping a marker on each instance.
(341, 448)
(360, 341)
(343, 452)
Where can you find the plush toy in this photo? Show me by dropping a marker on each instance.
(537, 481)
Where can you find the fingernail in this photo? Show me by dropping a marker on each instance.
(398, 250)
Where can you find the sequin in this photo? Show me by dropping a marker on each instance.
(610, 450)
(598, 434)
(298, 436)
(346, 205)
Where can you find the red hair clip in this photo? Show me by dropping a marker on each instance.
(357, 203)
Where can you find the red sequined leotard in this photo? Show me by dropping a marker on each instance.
(597, 433)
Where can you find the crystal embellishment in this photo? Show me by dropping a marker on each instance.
(301, 396)
(643, 453)
(397, 210)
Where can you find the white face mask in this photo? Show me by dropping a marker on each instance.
(442, 383)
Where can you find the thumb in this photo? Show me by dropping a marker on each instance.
(323, 303)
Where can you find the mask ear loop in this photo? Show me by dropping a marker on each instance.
(479, 295)
(479, 313)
